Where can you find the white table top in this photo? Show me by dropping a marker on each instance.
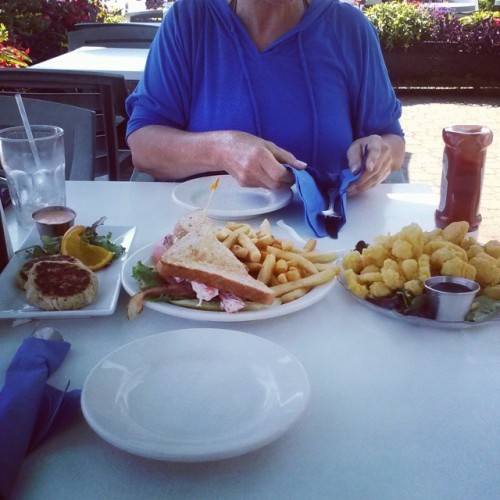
(458, 7)
(128, 62)
(396, 410)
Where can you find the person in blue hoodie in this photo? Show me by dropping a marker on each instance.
(247, 86)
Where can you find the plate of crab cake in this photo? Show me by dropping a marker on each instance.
(60, 286)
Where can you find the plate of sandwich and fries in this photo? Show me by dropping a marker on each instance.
(231, 273)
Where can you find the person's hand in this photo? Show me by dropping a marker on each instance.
(254, 162)
(378, 162)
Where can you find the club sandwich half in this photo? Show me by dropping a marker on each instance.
(201, 258)
(196, 270)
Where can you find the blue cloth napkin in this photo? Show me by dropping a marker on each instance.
(314, 188)
(313, 198)
(30, 409)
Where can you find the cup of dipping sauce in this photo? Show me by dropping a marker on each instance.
(53, 221)
(450, 298)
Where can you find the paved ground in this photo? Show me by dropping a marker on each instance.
(423, 120)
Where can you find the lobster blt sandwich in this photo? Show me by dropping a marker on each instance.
(194, 269)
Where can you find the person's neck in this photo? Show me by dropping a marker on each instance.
(267, 21)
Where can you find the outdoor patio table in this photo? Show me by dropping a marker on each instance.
(458, 8)
(396, 410)
(125, 61)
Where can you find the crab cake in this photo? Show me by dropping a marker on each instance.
(60, 285)
(22, 274)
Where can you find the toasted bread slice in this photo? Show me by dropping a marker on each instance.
(60, 285)
(200, 256)
(191, 221)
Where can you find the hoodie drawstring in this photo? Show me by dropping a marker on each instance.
(314, 110)
(241, 57)
(308, 83)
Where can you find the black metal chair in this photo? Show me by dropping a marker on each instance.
(78, 125)
(145, 16)
(124, 35)
(103, 93)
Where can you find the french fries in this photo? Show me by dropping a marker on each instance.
(291, 272)
(308, 281)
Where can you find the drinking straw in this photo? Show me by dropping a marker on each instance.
(27, 128)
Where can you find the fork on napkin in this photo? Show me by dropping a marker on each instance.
(318, 192)
(30, 409)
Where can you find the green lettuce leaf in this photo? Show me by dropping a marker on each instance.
(146, 276)
(51, 245)
(483, 308)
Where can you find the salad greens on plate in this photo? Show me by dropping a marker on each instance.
(51, 245)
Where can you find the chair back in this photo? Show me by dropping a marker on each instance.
(103, 93)
(123, 35)
(78, 125)
(145, 16)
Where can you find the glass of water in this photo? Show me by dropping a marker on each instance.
(35, 169)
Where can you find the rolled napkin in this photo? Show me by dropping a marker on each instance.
(30, 409)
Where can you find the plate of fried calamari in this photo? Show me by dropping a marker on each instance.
(388, 274)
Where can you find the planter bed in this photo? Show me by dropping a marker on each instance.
(431, 64)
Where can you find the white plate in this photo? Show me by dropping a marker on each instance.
(13, 300)
(417, 320)
(131, 285)
(195, 395)
(230, 200)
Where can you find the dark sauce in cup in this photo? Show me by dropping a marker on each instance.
(450, 287)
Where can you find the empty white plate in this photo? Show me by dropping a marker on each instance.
(229, 201)
(194, 395)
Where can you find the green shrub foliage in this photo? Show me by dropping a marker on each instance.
(401, 25)
(41, 25)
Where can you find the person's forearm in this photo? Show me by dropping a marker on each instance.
(168, 154)
(171, 154)
(397, 150)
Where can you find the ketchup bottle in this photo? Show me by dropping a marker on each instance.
(462, 178)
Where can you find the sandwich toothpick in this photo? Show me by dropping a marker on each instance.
(213, 187)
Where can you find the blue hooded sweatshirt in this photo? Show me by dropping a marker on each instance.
(312, 91)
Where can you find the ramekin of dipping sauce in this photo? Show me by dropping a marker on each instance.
(450, 297)
(53, 221)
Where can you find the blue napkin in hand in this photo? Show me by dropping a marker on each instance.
(31, 410)
(315, 190)
(313, 199)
